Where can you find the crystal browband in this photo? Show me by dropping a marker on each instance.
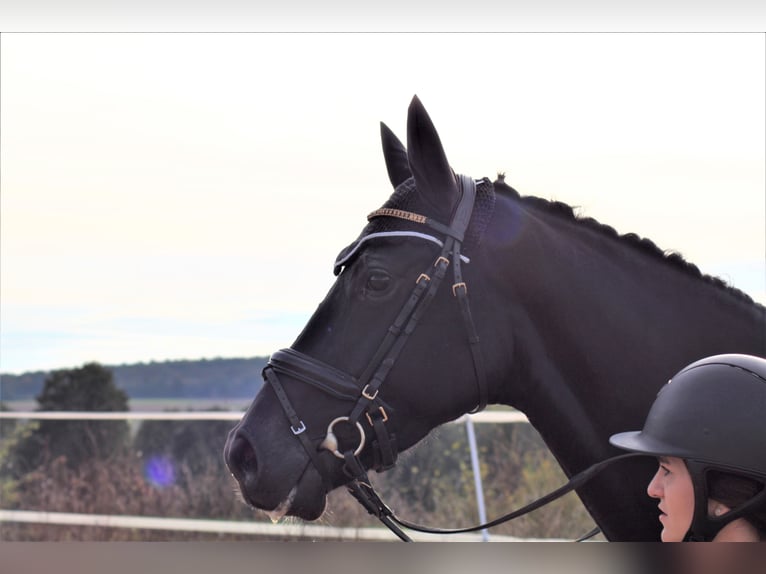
(400, 213)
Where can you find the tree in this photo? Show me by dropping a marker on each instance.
(88, 388)
(7, 426)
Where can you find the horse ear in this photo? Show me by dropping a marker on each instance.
(395, 155)
(434, 178)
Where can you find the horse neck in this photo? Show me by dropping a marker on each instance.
(587, 311)
(596, 327)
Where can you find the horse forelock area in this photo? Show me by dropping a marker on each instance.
(406, 198)
(643, 244)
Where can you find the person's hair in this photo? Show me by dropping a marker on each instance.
(734, 490)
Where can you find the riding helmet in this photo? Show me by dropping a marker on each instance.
(713, 415)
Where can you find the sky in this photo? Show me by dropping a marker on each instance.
(183, 196)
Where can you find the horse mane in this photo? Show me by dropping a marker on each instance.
(643, 244)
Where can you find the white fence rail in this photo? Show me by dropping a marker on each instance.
(263, 529)
(482, 417)
(309, 531)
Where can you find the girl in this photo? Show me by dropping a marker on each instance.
(707, 427)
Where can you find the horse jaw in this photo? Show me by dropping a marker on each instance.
(306, 500)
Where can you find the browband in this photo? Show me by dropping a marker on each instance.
(349, 252)
(458, 232)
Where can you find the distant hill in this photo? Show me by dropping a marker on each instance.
(203, 379)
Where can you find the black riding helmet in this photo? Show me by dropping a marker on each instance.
(713, 415)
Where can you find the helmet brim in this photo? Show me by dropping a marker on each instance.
(638, 441)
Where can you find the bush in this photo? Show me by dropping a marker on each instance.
(119, 487)
(165, 446)
(432, 484)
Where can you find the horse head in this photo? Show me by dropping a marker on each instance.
(372, 358)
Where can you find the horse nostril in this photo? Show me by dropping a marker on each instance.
(241, 458)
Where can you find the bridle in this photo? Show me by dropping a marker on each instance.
(369, 408)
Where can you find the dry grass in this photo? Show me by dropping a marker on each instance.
(433, 485)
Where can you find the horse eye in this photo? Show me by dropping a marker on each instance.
(378, 281)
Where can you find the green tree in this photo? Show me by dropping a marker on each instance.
(7, 426)
(88, 388)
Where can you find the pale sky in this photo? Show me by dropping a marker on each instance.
(180, 196)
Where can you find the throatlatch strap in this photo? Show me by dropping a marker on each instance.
(460, 290)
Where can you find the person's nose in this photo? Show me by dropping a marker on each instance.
(655, 489)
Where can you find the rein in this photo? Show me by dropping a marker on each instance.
(369, 408)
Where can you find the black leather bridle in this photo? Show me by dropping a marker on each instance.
(368, 403)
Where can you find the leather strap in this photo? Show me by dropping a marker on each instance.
(297, 426)
(460, 290)
(313, 372)
(344, 386)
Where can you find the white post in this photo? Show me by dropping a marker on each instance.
(476, 475)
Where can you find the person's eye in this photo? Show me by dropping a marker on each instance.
(665, 470)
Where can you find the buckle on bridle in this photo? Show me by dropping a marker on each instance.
(457, 286)
(383, 413)
(367, 396)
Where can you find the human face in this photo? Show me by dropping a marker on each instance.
(672, 485)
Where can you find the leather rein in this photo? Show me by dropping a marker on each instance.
(368, 407)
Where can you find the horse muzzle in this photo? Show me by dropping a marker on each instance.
(274, 476)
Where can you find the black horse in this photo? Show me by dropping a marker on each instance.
(568, 322)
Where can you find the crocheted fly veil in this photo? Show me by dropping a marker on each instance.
(406, 198)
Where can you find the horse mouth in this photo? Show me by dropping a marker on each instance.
(283, 507)
(306, 499)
